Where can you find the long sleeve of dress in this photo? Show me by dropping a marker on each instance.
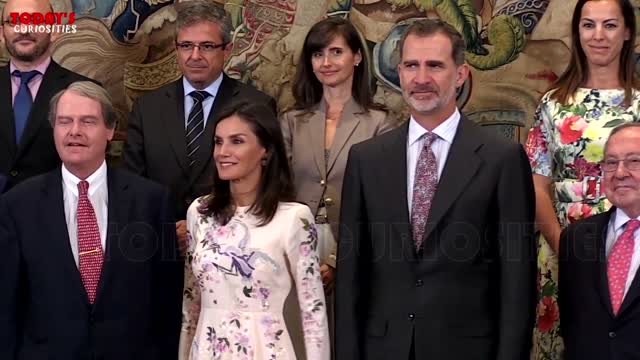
(302, 252)
(191, 293)
(538, 141)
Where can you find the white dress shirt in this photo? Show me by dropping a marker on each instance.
(446, 131)
(207, 104)
(615, 229)
(98, 196)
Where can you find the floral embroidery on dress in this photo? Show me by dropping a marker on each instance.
(236, 281)
(566, 143)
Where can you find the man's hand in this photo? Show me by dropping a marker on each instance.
(328, 275)
(181, 232)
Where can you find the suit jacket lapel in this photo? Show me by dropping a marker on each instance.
(56, 228)
(599, 231)
(204, 155)
(38, 116)
(314, 131)
(347, 125)
(633, 294)
(7, 126)
(461, 164)
(174, 122)
(396, 163)
(118, 211)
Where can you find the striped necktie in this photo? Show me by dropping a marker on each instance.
(195, 124)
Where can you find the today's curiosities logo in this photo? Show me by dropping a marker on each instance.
(50, 22)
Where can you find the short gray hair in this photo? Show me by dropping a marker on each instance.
(89, 90)
(195, 11)
(617, 129)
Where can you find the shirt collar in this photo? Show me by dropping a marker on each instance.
(95, 180)
(445, 131)
(211, 89)
(42, 67)
(620, 219)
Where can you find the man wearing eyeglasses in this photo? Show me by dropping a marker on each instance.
(170, 130)
(599, 288)
(27, 84)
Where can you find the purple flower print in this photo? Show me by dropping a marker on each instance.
(263, 293)
(305, 250)
(313, 232)
(617, 100)
(222, 345)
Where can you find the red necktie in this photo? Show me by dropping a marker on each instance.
(89, 245)
(618, 264)
(424, 186)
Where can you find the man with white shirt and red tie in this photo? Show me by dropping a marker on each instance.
(88, 253)
(599, 290)
(27, 84)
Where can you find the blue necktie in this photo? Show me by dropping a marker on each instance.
(23, 101)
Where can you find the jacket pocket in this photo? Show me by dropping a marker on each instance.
(377, 328)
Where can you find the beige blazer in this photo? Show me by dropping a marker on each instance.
(304, 138)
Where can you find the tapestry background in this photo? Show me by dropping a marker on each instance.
(516, 48)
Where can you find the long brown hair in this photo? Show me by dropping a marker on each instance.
(276, 182)
(307, 89)
(577, 71)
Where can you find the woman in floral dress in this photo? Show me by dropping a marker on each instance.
(565, 144)
(246, 246)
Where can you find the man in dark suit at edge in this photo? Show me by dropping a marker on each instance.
(27, 84)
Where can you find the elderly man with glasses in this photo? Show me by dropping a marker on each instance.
(599, 289)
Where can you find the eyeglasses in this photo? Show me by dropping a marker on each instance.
(611, 165)
(207, 46)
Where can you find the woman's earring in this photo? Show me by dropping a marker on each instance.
(264, 162)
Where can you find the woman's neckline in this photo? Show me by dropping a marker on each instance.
(600, 89)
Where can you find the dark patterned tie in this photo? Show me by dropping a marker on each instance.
(195, 124)
(23, 101)
(618, 264)
(424, 186)
(89, 245)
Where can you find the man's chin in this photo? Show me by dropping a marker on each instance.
(423, 108)
(26, 56)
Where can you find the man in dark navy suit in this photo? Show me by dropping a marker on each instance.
(27, 84)
(87, 252)
(599, 286)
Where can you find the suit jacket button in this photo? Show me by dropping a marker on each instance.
(411, 316)
(612, 335)
(328, 201)
(188, 201)
(322, 182)
(14, 173)
(419, 282)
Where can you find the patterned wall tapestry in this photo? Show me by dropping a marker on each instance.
(516, 48)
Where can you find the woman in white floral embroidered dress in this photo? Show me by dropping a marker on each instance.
(597, 92)
(246, 246)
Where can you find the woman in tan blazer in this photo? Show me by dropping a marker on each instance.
(333, 110)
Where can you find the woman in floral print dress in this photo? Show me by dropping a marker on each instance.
(246, 245)
(565, 144)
